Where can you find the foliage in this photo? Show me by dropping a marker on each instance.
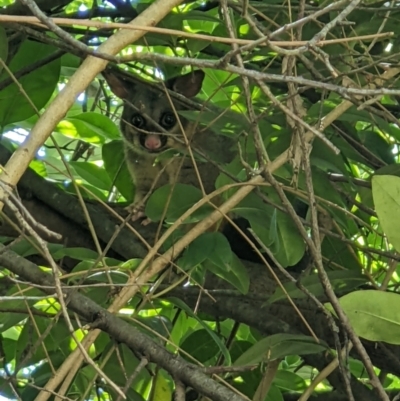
(209, 306)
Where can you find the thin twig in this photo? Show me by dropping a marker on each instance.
(173, 32)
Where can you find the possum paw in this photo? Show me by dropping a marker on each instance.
(137, 212)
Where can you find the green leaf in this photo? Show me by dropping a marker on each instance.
(189, 312)
(278, 346)
(162, 388)
(374, 142)
(334, 251)
(289, 381)
(115, 277)
(87, 264)
(182, 326)
(76, 129)
(113, 158)
(182, 198)
(124, 357)
(370, 25)
(197, 252)
(153, 324)
(256, 212)
(25, 248)
(214, 248)
(275, 229)
(93, 174)
(341, 280)
(39, 167)
(236, 275)
(291, 245)
(200, 345)
(220, 252)
(131, 264)
(94, 127)
(390, 169)
(228, 123)
(274, 394)
(76, 253)
(52, 342)
(197, 15)
(9, 346)
(196, 45)
(9, 320)
(373, 315)
(386, 194)
(93, 192)
(241, 273)
(83, 266)
(38, 85)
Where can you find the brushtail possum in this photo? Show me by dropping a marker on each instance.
(150, 125)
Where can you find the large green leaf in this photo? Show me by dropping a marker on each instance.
(38, 85)
(200, 345)
(90, 127)
(373, 315)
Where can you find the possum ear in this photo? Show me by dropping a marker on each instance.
(120, 87)
(188, 85)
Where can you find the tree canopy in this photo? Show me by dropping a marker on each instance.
(295, 298)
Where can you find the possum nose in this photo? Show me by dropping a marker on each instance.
(152, 142)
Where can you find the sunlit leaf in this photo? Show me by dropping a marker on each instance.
(93, 174)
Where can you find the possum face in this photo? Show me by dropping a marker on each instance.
(149, 123)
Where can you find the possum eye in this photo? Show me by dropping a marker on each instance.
(137, 121)
(168, 120)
